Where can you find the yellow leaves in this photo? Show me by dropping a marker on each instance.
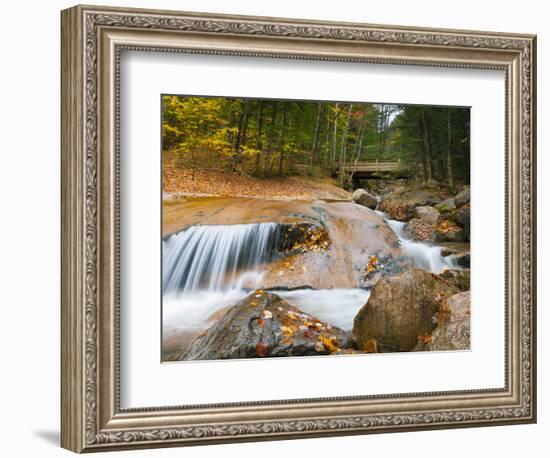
(372, 266)
(292, 315)
(445, 226)
(328, 343)
(288, 330)
(312, 239)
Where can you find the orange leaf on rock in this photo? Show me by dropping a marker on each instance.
(425, 338)
(262, 349)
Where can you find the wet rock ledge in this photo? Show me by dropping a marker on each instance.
(411, 311)
(263, 325)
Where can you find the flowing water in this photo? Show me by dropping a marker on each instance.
(335, 306)
(214, 258)
(205, 269)
(423, 255)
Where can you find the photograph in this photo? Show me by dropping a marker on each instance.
(306, 228)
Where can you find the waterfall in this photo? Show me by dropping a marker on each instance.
(216, 258)
(205, 269)
(427, 257)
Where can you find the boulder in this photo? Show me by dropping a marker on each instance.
(448, 231)
(452, 336)
(377, 268)
(362, 197)
(262, 325)
(401, 203)
(462, 217)
(455, 236)
(453, 329)
(418, 229)
(459, 278)
(432, 184)
(427, 214)
(461, 259)
(401, 309)
(355, 234)
(463, 197)
(449, 248)
(455, 308)
(447, 206)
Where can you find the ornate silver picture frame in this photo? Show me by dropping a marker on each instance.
(93, 39)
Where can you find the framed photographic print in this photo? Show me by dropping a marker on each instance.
(278, 228)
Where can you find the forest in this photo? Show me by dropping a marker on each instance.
(277, 138)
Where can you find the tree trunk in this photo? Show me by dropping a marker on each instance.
(241, 135)
(382, 131)
(427, 151)
(230, 135)
(344, 144)
(270, 140)
(327, 140)
(259, 142)
(335, 135)
(358, 144)
(316, 134)
(431, 149)
(282, 142)
(450, 180)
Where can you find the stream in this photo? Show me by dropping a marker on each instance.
(208, 268)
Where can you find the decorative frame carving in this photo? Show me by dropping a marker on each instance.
(92, 39)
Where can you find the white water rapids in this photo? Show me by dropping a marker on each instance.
(205, 268)
(214, 258)
(425, 256)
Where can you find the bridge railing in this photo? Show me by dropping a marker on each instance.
(371, 166)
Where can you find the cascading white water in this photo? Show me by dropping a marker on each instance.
(427, 257)
(213, 258)
(205, 269)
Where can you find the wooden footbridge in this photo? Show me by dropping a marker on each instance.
(368, 169)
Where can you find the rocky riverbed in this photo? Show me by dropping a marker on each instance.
(383, 272)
